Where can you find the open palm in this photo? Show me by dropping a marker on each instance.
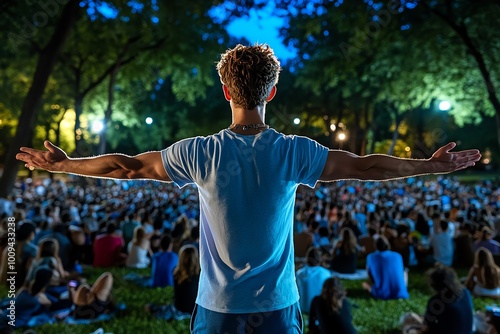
(48, 160)
(446, 161)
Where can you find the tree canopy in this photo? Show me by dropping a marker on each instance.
(368, 76)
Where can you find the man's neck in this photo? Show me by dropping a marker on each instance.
(245, 116)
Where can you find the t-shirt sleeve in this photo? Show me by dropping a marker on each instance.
(180, 161)
(309, 160)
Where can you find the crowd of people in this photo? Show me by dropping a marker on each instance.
(64, 225)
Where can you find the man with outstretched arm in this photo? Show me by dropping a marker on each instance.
(247, 176)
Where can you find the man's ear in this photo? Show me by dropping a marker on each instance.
(272, 94)
(226, 93)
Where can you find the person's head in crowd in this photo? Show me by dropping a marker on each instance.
(25, 231)
(403, 230)
(372, 230)
(466, 227)
(139, 235)
(166, 243)
(313, 225)
(48, 247)
(189, 264)
(436, 217)
(486, 263)
(444, 279)
(158, 223)
(486, 233)
(323, 232)
(180, 227)
(195, 233)
(41, 281)
(313, 257)
(382, 244)
(110, 227)
(44, 225)
(443, 225)
(348, 243)
(65, 217)
(340, 215)
(333, 293)
(60, 228)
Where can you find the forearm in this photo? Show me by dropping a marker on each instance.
(386, 167)
(115, 166)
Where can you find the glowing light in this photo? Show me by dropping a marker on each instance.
(333, 127)
(444, 105)
(149, 120)
(407, 148)
(97, 126)
(342, 136)
(296, 121)
(486, 161)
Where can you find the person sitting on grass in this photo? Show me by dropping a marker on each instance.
(310, 278)
(386, 272)
(31, 299)
(345, 253)
(164, 263)
(48, 258)
(442, 244)
(484, 275)
(138, 250)
(108, 248)
(186, 278)
(92, 301)
(331, 311)
(486, 241)
(449, 310)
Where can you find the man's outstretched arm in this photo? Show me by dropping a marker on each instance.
(345, 165)
(114, 166)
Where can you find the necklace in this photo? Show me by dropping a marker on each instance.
(246, 127)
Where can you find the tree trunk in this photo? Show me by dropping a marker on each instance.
(474, 51)
(463, 33)
(57, 141)
(29, 112)
(395, 136)
(109, 109)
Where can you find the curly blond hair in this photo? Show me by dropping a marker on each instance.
(249, 73)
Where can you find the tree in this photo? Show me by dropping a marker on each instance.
(47, 58)
(474, 23)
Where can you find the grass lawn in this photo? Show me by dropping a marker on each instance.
(370, 316)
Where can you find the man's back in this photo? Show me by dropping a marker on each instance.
(247, 187)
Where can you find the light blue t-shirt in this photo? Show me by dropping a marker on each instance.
(246, 185)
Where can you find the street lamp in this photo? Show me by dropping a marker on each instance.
(444, 105)
(149, 121)
(341, 138)
(97, 126)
